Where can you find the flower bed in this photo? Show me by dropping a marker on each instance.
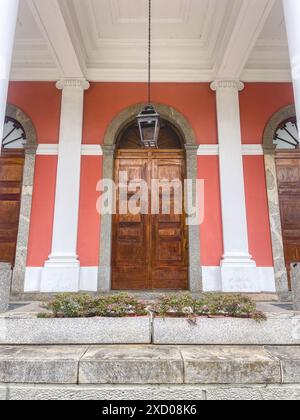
(86, 306)
(180, 305)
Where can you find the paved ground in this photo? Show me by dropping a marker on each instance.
(149, 372)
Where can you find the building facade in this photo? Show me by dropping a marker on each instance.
(70, 125)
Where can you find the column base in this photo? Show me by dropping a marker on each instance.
(239, 274)
(61, 274)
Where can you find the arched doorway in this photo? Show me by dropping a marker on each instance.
(17, 175)
(287, 158)
(11, 177)
(282, 157)
(150, 248)
(187, 134)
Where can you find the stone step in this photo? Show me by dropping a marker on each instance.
(150, 365)
(26, 329)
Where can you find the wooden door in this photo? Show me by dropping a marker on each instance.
(11, 176)
(150, 251)
(288, 176)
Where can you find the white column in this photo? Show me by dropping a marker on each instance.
(62, 270)
(8, 20)
(292, 19)
(237, 266)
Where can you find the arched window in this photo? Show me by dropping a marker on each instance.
(287, 135)
(169, 137)
(14, 136)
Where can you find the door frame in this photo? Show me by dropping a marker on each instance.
(191, 148)
(269, 149)
(30, 148)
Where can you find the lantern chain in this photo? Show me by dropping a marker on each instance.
(149, 52)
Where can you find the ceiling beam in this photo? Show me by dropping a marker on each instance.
(248, 26)
(49, 17)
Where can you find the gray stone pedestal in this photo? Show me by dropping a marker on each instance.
(5, 283)
(296, 286)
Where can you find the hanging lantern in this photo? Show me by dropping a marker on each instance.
(149, 119)
(149, 126)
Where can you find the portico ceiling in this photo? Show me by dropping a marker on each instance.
(193, 40)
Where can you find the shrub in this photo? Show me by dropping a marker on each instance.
(209, 305)
(86, 306)
(177, 305)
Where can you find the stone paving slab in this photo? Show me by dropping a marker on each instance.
(153, 392)
(3, 392)
(281, 328)
(49, 365)
(17, 329)
(229, 365)
(107, 392)
(149, 365)
(253, 393)
(290, 362)
(131, 365)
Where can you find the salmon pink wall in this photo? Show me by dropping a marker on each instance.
(104, 101)
(211, 237)
(258, 103)
(257, 211)
(40, 235)
(41, 101)
(89, 219)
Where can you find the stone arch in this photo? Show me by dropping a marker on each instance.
(19, 271)
(112, 133)
(273, 198)
(31, 138)
(167, 112)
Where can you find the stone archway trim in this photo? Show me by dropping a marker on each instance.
(26, 198)
(109, 144)
(281, 278)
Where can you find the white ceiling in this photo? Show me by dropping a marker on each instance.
(193, 40)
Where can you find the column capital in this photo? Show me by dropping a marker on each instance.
(81, 84)
(227, 84)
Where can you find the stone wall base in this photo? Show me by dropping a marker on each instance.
(150, 392)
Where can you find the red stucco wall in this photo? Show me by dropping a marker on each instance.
(103, 101)
(41, 101)
(40, 237)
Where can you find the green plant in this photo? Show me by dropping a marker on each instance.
(234, 306)
(86, 306)
(181, 304)
(208, 305)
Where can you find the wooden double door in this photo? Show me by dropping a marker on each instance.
(150, 251)
(288, 178)
(11, 176)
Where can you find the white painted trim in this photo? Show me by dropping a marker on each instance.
(91, 150)
(86, 150)
(247, 150)
(263, 280)
(47, 150)
(88, 281)
(252, 150)
(208, 150)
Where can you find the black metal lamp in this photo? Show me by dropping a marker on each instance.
(149, 119)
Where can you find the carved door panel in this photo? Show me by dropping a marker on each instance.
(150, 250)
(11, 176)
(288, 176)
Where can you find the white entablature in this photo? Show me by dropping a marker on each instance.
(193, 40)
